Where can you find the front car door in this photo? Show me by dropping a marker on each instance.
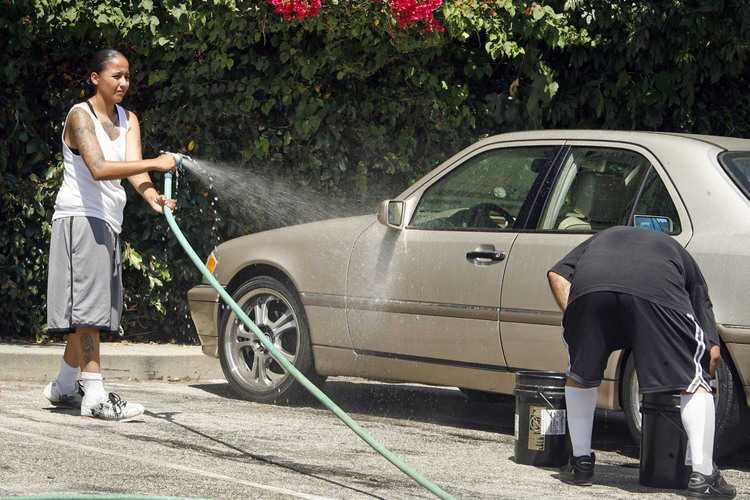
(430, 292)
(599, 185)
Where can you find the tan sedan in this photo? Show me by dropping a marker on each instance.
(447, 284)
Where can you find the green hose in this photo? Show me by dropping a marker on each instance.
(288, 366)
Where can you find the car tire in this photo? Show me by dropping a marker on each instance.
(730, 410)
(631, 400)
(251, 371)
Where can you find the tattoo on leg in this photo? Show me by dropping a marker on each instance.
(87, 349)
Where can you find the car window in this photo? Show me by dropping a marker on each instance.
(655, 209)
(595, 190)
(486, 192)
(737, 165)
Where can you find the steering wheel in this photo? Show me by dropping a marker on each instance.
(479, 215)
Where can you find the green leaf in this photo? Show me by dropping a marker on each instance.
(157, 76)
(262, 147)
(267, 106)
(132, 257)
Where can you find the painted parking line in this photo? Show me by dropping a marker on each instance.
(159, 463)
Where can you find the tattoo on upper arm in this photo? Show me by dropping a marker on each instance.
(83, 135)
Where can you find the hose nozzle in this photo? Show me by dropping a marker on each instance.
(179, 159)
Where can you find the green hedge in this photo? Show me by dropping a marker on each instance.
(346, 104)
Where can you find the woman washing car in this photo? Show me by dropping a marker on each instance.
(101, 144)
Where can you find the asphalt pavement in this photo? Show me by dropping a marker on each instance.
(197, 440)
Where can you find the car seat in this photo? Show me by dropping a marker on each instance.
(597, 199)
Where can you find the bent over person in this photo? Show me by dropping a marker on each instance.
(633, 288)
(101, 143)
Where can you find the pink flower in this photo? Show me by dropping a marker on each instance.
(296, 9)
(407, 12)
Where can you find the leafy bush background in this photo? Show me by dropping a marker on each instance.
(346, 104)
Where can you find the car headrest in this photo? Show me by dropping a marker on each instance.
(600, 196)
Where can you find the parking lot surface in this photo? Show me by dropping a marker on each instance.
(199, 441)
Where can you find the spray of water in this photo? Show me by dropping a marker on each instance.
(265, 202)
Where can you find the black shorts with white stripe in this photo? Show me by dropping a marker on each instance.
(670, 348)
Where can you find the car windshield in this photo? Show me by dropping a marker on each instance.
(737, 165)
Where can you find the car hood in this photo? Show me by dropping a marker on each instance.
(314, 256)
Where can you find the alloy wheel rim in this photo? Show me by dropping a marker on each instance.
(251, 365)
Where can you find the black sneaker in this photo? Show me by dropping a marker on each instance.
(579, 471)
(713, 486)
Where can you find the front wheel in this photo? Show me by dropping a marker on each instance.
(729, 409)
(248, 366)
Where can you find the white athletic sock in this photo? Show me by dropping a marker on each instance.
(66, 377)
(580, 404)
(93, 387)
(698, 417)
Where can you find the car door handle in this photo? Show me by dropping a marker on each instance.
(485, 255)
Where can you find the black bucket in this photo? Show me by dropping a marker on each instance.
(541, 421)
(663, 442)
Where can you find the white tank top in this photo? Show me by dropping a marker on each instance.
(81, 194)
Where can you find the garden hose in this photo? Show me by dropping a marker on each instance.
(288, 366)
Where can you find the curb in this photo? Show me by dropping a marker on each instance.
(136, 362)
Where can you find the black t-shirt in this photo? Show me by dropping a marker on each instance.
(644, 263)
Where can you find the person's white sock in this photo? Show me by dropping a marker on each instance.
(699, 419)
(67, 377)
(580, 405)
(93, 387)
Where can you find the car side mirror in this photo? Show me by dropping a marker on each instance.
(391, 213)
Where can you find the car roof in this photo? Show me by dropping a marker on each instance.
(659, 143)
(727, 143)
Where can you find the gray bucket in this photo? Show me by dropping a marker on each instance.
(541, 426)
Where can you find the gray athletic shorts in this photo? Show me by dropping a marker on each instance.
(84, 283)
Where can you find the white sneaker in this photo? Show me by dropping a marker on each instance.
(112, 408)
(58, 398)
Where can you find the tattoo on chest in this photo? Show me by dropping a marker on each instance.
(111, 129)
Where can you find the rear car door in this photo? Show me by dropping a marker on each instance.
(431, 291)
(599, 185)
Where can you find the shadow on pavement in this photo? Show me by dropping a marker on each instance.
(449, 407)
(623, 478)
(75, 412)
(404, 402)
(442, 406)
(304, 469)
